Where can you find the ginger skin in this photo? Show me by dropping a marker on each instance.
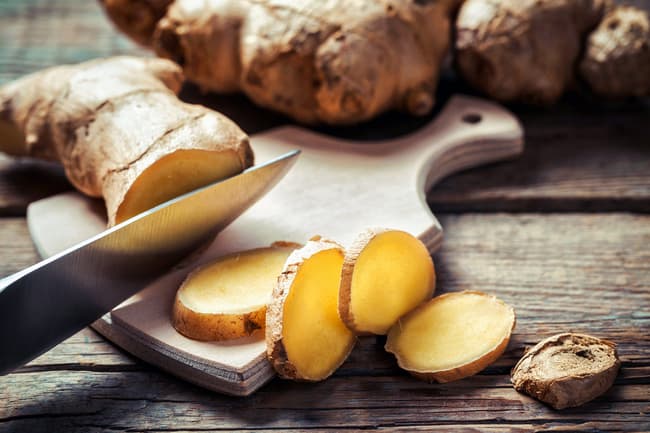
(339, 62)
(120, 132)
(533, 51)
(617, 57)
(523, 50)
(567, 370)
(335, 62)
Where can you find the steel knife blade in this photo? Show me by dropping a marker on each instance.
(51, 300)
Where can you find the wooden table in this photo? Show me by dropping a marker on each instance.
(562, 234)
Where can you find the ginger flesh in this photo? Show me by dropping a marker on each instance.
(119, 131)
(236, 283)
(452, 336)
(312, 329)
(174, 175)
(386, 274)
(227, 298)
(306, 338)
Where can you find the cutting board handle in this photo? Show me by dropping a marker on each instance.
(468, 132)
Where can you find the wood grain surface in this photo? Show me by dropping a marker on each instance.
(561, 272)
(570, 250)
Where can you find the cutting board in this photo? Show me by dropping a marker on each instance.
(336, 189)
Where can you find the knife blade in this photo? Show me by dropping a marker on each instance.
(51, 300)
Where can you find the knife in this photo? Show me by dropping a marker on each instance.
(53, 299)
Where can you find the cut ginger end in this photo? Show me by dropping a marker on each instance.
(176, 174)
(386, 274)
(453, 336)
(306, 339)
(227, 298)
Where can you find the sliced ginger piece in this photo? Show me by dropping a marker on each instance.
(386, 273)
(227, 298)
(567, 370)
(306, 339)
(452, 336)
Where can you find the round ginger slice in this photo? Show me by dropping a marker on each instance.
(452, 336)
(306, 339)
(386, 273)
(227, 298)
(567, 370)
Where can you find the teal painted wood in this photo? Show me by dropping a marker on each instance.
(35, 34)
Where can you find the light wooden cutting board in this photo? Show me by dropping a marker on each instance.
(336, 189)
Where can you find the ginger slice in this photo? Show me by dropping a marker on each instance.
(567, 370)
(227, 298)
(386, 273)
(452, 336)
(306, 339)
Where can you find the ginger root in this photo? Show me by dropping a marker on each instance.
(306, 339)
(386, 273)
(120, 132)
(567, 370)
(452, 336)
(343, 62)
(617, 58)
(523, 50)
(530, 50)
(227, 298)
(337, 62)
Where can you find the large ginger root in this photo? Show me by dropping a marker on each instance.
(567, 370)
(523, 50)
(227, 298)
(617, 58)
(119, 131)
(386, 273)
(452, 336)
(306, 339)
(337, 62)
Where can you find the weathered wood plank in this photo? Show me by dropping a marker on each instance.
(16, 248)
(574, 160)
(561, 272)
(36, 34)
(579, 272)
(103, 398)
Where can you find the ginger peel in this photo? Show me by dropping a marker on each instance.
(336, 62)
